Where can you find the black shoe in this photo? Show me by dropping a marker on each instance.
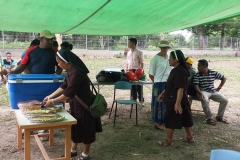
(73, 154)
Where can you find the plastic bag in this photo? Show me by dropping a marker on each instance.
(29, 105)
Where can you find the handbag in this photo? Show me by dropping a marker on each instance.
(99, 106)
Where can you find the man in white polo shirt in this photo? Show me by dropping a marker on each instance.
(134, 61)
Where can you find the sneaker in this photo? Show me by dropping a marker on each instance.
(139, 104)
(134, 100)
(73, 154)
(84, 158)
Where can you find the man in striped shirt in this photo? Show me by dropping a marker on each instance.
(204, 85)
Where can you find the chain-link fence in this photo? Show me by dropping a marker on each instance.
(17, 40)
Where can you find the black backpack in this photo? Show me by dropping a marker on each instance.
(111, 76)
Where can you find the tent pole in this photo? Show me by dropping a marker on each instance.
(237, 45)
(108, 42)
(193, 41)
(86, 42)
(219, 44)
(3, 39)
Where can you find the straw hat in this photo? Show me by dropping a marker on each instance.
(164, 43)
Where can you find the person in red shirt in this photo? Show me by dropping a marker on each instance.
(41, 58)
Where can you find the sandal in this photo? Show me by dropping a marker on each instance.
(223, 120)
(158, 128)
(190, 140)
(211, 122)
(165, 143)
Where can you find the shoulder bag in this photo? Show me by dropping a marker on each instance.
(99, 106)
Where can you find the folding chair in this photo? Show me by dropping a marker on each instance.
(122, 85)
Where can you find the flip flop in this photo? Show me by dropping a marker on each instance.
(158, 128)
(190, 140)
(165, 143)
(223, 120)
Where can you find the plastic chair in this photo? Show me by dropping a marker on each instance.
(122, 85)
(223, 154)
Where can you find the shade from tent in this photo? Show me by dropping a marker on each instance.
(112, 17)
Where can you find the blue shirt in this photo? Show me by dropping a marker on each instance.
(41, 61)
(23, 54)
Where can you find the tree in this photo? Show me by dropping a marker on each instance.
(176, 40)
(229, 27)
(201, 32)
(102, 40)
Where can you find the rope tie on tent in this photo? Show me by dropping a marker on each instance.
(89, 16)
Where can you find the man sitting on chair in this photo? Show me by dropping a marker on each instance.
(204, 85)
(7, 65)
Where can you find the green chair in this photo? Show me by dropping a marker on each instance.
(122, 85)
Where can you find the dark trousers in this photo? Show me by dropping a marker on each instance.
(191, 90)
(136, 92)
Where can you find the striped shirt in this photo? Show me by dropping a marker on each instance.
(206, 82)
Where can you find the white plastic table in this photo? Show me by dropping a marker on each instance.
(24, 124)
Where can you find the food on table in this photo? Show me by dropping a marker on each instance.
(36, 114)
(56, 108)
(29, 105)
(42, 118)
(39, 111)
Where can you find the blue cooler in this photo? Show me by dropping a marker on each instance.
(24, 87)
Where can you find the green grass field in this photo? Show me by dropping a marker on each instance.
(129, 142)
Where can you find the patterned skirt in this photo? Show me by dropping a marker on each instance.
(158, 108)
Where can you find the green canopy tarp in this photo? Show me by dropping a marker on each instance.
(112, 17)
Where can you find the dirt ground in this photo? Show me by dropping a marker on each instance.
(127, 141)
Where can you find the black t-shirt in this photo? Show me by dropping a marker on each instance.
(41, 61)
(6, 64)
